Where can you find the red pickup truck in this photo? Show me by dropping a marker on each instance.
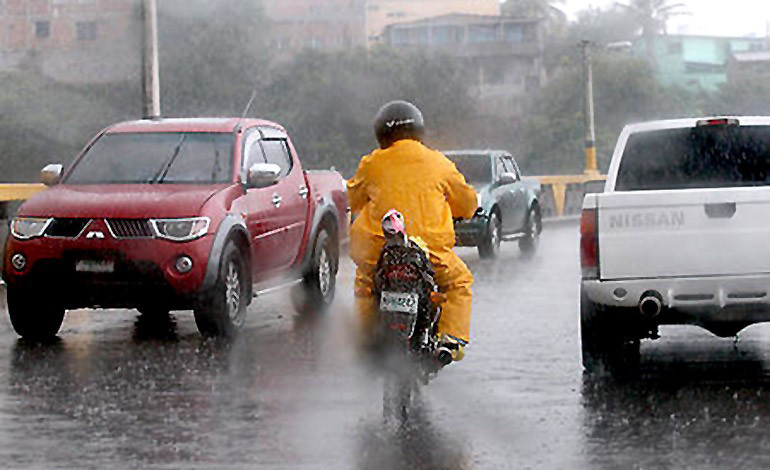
(176, 214)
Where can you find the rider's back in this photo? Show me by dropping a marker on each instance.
(420, 183)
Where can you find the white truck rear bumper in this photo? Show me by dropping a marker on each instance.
(684, 293)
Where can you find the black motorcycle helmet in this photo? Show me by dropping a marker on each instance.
(398, 120)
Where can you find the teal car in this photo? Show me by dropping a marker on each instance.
(509, 206)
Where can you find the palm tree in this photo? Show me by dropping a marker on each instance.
(533, 9)
(652, 17)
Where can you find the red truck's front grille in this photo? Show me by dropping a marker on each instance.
(130, 228)
(66, 227)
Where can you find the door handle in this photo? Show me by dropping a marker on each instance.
(721, 211)
(277, 200)
(303, 191)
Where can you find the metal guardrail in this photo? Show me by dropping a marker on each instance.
(563, 194)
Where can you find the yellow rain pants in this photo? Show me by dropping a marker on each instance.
(428, 190)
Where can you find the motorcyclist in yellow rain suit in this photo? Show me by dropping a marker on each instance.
(425, 186)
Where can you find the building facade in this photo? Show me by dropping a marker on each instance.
(503, 56)
(696, 62)
(313, 24)
(340, 24)
(748, 67)
(382, 13)
(77, 41)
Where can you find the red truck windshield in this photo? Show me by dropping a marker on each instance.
(156, 158)
(702, 157)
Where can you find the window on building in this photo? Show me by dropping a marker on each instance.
(85, 30)
(513, 33)
(399, 36)
(447, 34)
(403, 36)
(420, 35)
(42, 29)
(482, 33)
(704, 68)
(675, 47)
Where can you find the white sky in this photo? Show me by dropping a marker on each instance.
(717, 17)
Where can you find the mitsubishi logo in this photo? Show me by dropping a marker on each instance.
(95, 234)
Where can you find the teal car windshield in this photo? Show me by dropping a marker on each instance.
(157, 158)
(476, 169)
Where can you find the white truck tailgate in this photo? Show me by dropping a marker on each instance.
(681, 233)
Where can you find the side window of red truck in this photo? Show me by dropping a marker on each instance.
(252, 152)
(277, 152)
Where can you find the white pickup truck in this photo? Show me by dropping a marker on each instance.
(680, 235)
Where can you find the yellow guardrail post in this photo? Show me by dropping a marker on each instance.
(559, 185)
(19, 192)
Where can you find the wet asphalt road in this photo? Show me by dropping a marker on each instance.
(123, 391)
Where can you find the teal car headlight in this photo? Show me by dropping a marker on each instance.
(181, 230)
(25, 228)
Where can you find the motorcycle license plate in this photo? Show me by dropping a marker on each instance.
(95, 266)
(399, 302)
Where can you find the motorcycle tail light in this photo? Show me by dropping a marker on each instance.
(402, 272)
(438, 298)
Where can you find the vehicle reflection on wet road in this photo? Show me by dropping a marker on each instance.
(120, 390)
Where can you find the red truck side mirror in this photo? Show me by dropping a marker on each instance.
(51, 174)
(262, 175)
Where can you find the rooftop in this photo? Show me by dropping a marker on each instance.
(464, 18)
(223, 125)
(754, 56)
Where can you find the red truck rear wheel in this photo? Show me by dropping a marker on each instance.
(316, 292)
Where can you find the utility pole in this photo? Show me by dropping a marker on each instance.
(150, 66)
(590, 140)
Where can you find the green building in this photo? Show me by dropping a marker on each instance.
(696, 62)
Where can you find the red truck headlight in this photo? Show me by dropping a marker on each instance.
(181, 230)
(589, 244)
(25, 228)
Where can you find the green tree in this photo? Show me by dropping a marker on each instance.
(749, 95)
(603, 26)
(47, 122)
(212, 55)
(625, 91)
(534, 9)
(652, 17)
(328, 100)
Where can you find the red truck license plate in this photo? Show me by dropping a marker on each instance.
(95, 266)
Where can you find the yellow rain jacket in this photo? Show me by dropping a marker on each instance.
(428, 190)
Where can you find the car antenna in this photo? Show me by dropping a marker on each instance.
(248, 105)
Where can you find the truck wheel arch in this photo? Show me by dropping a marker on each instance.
(325, 219)
(231, 228)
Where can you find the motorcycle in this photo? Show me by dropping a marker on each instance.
(408, 314)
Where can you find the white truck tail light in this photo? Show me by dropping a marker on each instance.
(589, 244)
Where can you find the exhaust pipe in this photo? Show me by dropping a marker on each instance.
(651, 304)
(444, 356)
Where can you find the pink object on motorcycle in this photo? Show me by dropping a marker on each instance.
(393, 223)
